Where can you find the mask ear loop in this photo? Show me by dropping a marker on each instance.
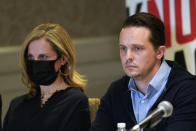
(62, 69)
(58, 56)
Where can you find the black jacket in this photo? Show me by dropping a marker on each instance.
(0, 112)
(116, 105)
(66, 110)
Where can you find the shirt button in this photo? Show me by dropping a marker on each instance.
(142, 101)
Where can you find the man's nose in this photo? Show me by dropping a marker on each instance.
(130, 55)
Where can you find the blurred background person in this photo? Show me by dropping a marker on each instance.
(55, 100)
(0, 112)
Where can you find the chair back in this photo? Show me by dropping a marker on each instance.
(93, 106)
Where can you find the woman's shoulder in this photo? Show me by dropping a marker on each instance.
(76, 90)
(75, 93)
(18, 101)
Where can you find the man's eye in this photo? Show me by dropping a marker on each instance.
(123, 48)
(138, 48)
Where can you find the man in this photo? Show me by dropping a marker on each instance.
(149, 80)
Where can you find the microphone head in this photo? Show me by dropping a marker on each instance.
(166, 107)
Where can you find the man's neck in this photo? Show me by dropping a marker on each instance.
(142, 83)
(142, 86)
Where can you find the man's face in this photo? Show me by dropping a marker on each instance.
(139, 59)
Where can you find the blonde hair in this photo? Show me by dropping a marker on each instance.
(61, 42)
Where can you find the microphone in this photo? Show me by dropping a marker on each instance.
(164, 109)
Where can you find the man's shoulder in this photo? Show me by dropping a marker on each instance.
(121, 81)
(180, 78)
(119, 85)
(179, 73)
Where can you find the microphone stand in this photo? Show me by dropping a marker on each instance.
(149, 127)
(139, 129)
(164, 109)
(148, 123)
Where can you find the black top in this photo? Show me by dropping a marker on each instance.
(116, 105)
(0, 111)
(66, 110)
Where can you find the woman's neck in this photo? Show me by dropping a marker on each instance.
(48, 91)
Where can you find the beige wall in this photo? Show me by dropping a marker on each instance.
(82, 18)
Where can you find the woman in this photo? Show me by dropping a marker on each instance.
(55, 101)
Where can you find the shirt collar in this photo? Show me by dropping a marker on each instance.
(160, 77)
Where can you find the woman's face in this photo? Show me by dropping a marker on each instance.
(42, 50)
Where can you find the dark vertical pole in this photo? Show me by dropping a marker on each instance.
(179, 58)
(138, 8)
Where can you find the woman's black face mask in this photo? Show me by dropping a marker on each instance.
(42, 72)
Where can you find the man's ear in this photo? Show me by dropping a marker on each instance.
(161, 51)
